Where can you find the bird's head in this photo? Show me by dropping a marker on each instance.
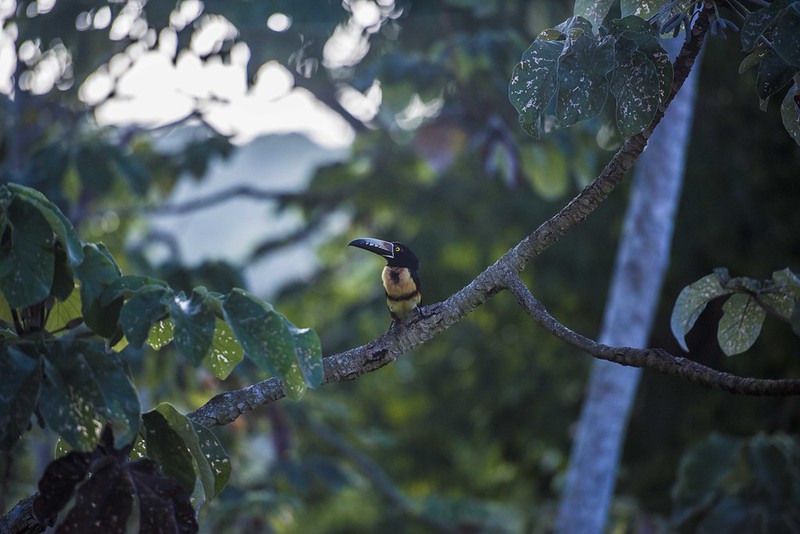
(396, 254)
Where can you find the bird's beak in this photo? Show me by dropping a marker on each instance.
(376, 246)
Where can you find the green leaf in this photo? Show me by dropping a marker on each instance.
(168, 449)
(96, 273)
(790, 112)
(71, 397)
(690, 304)
(161, 333)
(265, 338)
(308, 350)
(786, 37)
(533, 83)
(144, 309)
(582, 82)
(217, 458)
(120, 401)
(782, 292)
(759, 21)
(752, 60)
(27, 261)
(174, 435)
(773, 74)
(225, 352)
(194, 326)
(20, 382)
(63, 278)
(641, 8)
(641, 80)
(593, 10)
(740, 324)
(86, 387)
(127, 285)
(57, 221)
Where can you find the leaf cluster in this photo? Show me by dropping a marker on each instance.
(65, 304)
(568, 72)
(749, 301)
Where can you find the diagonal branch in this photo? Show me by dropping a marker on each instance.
(503, 274)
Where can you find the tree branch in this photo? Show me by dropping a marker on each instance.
(503, 274)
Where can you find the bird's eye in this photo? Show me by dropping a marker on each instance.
(397, 249)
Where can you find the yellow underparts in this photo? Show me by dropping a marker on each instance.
(402, 294)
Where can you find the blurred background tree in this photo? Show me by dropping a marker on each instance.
(473, 429)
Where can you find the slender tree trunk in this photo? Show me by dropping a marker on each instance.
(641, 262)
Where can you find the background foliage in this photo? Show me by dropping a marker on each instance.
(471, 429)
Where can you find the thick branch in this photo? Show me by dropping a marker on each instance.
(434, 319)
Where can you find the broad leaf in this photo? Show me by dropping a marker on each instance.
(790, 112)
(225, 352)
(533, 83)
(161, 333)
(582, 82)
(786, 37)
(96, 273)
(773, 75)
(593, 10)
(27, 261)
(165, 427)
(194, 326)
(57, 221)
(265, 338)
(740, 324)
(308, 350)
(690, 304)
(20, 381)
(144, 309)
(759, 21)
(641, 8)
(84, 388)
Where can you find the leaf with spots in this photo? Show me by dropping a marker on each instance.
(20, 382)
(186, 449)
(225, 352)
(593, 10)
(194, 326)
(27, 256)
(691, 303)
(533, 83)
(582, 81)
(265, 338)
(84, 388)
(106, 487)
(740, 324)
(144, 309)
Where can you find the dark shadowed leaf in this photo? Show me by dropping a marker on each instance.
(144, 309)
(773, 74)
(20, 381)
(790, 112)
(164, 506)
(27, 261)
(194, 326)
(593, 10)
(786, 37)
(167, 448)
(96, 273)
(582, 82)
(759, 21)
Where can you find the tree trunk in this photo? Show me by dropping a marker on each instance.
(641, 262)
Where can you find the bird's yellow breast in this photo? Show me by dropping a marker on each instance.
(397, 282)
(402, 293)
